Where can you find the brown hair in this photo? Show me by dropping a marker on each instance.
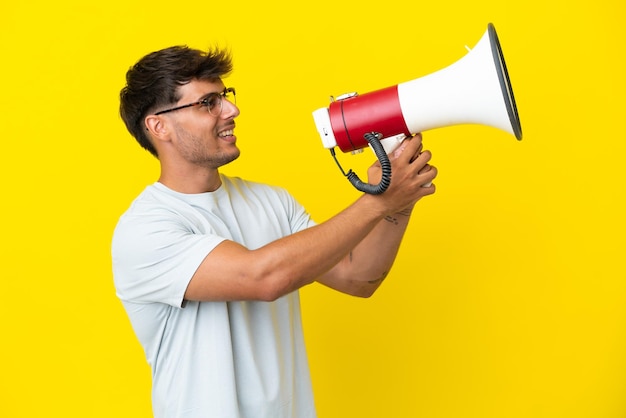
(153, 83)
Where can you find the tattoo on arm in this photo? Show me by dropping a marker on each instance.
(391, 219)
(380, 279)
(394, 219)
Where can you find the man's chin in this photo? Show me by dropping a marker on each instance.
(226, 158)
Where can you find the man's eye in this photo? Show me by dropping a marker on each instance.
(211, 102)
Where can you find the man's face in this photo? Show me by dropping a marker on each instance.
(199, 137)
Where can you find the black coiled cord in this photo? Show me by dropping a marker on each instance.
(383, 158)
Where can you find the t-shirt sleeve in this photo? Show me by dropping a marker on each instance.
(155, 257)
(299, 218)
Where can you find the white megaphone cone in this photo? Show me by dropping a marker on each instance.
(474, 90)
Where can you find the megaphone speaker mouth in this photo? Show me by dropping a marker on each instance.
(505, 82)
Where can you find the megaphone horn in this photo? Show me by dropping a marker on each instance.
(474, 90)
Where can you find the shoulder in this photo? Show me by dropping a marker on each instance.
(151, 212)
(269, 199)
(156, 202)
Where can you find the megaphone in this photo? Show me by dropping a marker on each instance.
(474, 90)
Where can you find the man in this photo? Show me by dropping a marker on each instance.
(208, 266)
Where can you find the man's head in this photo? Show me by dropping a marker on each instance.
(153, 83)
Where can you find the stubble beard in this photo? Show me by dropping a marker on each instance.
(194, 150)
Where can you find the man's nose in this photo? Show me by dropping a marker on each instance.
(230, 109)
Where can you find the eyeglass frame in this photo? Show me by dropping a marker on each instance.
(221, 95)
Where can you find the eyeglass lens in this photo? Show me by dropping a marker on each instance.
(215, 102)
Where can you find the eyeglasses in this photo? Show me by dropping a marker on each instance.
(213, 102)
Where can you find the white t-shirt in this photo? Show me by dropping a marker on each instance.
(211, 359)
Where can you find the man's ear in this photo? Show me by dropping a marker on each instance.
(157, 127)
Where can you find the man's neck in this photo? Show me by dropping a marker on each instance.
(192, 183)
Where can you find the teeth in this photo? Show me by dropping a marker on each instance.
(226, 133)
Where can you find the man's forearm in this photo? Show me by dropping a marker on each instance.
(368, 264)
(373, 257)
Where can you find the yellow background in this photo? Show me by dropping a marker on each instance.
(508, 297)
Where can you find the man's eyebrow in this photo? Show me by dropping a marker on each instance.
(206, 96)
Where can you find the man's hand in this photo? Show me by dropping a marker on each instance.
(411, 175)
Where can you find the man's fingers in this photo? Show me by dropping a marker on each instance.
(422, 159)
(410, 148)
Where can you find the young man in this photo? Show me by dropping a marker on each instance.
(208, 267)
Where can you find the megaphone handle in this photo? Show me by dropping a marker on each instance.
(383, 158)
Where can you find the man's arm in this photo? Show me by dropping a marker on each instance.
(369, 263)
(233, 272)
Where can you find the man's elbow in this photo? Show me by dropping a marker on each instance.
(366, 289)
(370, 287)
(274, 287)
(364, 293)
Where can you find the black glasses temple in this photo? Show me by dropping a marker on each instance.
(178, 108)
